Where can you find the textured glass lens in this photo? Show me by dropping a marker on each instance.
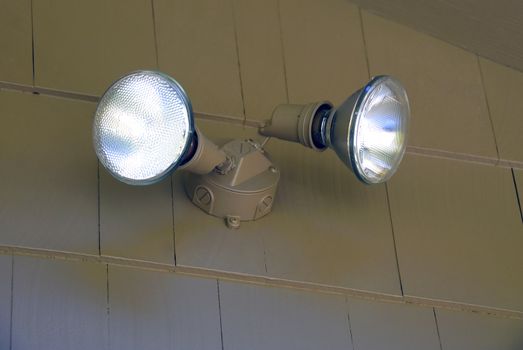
(380, 129)
(141, 127)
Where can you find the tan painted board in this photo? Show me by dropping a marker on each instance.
(5, 301)
(493, 29)
(203, 240)
(458, 232)
(256, 317)
(325, 227)
(503, 87)
(261, 56)
(463, 330)
(162, 311)
(84, 46)
(59, 305)
(323, 48)
(518, 177)
(197, 46)
(48, 182)
(136, 222)
(375, 326)
(449, 109)
(16, 64)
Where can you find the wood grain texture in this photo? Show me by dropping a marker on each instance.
(261, 56)
(494, 29)
(48, 182)
(460, 330)
(136, 222)
(197, 46)
(503, 87)
(162, 310)
(449, 109)
(323, 48)
(255, 317)
(458, 232)
(85, 46)
(16, 42)
(380, 326)
(5, 301)
(59, 305)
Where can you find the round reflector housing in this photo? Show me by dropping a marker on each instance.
(378, 130)
(142, 127)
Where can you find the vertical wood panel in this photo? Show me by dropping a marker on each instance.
(261, 57)
(493, 29)
(136, 221)
(16, 41)
(460, 330)
(380, 326)
(197, 46)
(5, 300)
(48, 182)
(503, 87)
(518, 177)
(458, 232)
(255, 317)
(323, 47)
(59, 305)
(84, 46)
(162, 311)
(449, 109)
(326, 226)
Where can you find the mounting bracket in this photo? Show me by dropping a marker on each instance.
(242, 188)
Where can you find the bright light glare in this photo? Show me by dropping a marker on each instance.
(380, 129)
(142, 127)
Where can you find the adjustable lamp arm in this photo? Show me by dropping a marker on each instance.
(298, 123)
(203, 155)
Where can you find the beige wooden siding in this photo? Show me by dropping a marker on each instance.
(16, 42)
(5, 300)
(430, 260)
(493, 29)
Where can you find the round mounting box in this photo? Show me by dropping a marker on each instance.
(242, 190)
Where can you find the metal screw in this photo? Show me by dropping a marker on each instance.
(232, 222)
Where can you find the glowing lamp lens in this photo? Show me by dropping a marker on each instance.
(379, 130)
(142, 127)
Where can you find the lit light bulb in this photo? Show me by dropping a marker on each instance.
(379, 126)
(142, 127)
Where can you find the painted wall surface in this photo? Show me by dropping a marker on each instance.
(493, 29)
(430, 260)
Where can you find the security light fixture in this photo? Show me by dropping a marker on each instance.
(144, 129)
(367, 131)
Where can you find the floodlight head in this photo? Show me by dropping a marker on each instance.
(143, 127)
(368, 131)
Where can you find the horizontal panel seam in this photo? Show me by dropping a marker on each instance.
(249, 123)
(261, 280)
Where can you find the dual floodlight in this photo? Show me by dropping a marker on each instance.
(144, 130)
